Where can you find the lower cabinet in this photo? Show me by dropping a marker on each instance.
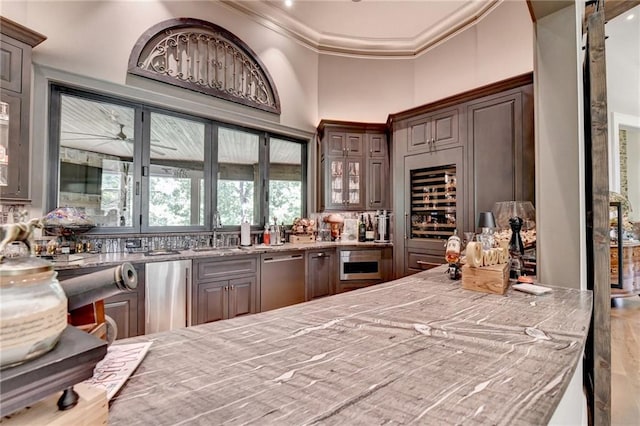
(225, 299)
(123, 309)
(214, 298)
(321, 273)
(126, 308)
(419, 260)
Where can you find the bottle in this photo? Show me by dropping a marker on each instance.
(266, 238)
(452, 252)
(283, 233)
(369, 229)
(274, 239)
(516, 248)
(362, 230)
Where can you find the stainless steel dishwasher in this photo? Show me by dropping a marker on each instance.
(168, 295)
(281, 280)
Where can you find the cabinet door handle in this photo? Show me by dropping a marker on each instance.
(320, 254)
(226, 288)
(406, 222)
(233, 287)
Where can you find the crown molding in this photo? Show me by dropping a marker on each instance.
(278, 20)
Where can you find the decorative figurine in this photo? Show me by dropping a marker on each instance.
(21, 231)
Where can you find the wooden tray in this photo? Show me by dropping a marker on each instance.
(302, 239)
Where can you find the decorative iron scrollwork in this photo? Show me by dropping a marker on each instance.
(203, 57)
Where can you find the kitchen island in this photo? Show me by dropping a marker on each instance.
(419, 350)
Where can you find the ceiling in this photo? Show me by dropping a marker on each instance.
(367, 27)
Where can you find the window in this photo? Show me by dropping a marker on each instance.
(138, 168)
(176, 172)
(96, 156)
(238, 177)
(286, 180)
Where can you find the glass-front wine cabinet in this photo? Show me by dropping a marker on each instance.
(433, 200)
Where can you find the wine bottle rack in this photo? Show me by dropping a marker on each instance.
(433, 202)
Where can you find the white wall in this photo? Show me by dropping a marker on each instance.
(559, 150)
(95, 38)
(365, 90)
(498, 47)
(633, 171)
(622, 51)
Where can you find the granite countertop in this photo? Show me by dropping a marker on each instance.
(415, 350)
(88, 260)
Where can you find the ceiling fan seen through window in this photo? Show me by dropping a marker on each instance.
(119, 136)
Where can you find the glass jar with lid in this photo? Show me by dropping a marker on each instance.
(33, 312)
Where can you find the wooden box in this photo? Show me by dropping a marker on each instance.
(302, 239)
(487, 279)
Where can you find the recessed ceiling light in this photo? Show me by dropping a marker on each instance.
(630, 17)
(288, 3)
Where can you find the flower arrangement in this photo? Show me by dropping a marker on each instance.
(303, 226)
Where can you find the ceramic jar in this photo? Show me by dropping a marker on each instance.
(33, 312)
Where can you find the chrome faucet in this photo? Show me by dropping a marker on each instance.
(217, 224)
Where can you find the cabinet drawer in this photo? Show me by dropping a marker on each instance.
(420, 261)
(211, 269)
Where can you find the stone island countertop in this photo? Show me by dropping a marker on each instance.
(87, 260)
(417, 350)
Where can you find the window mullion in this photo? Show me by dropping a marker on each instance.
(211, 174)
(141, 163)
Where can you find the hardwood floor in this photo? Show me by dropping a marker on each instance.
(625, 361)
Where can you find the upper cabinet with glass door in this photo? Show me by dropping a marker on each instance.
(350, 155)
(16, 43)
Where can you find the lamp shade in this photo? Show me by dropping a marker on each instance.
(486, 220)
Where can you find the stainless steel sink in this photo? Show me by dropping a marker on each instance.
(160, 252)
(218, 249)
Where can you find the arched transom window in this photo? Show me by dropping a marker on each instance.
(201, 56)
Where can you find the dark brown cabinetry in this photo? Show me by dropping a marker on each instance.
(501, 158)
(433, 131)
(352, 154)
(224, 288)
(321, 273)
(483, 139)
(224, 299)
(126, 309)
(16, 43)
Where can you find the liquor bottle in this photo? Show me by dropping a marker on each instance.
(266, 237)
(362, 230)
(369, 230)
(452, 252)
